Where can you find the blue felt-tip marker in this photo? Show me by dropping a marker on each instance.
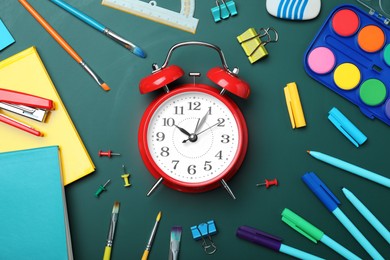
(100, 27)
(331, 203)
(367, 215)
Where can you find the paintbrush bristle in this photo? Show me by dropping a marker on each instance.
(115, 208)
(176, 233)
(105, 86)
(158, 216)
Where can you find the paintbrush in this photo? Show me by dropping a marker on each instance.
(111, 232)
(151, 238)
(175, 243)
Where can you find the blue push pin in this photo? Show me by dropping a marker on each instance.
(203, 231)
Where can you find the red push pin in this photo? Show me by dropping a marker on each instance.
(269, 183)
(109, 153)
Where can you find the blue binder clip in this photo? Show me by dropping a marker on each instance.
(346, 127)
(224, 10)
(205, 231)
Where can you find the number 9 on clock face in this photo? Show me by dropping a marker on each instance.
(193, 137)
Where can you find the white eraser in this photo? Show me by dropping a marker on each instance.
(294, 9)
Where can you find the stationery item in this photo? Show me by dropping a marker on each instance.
(111, 231)
(183, 20)
(35, 219)
(351, 168)
(101, 188)
(314, 234)
(294, 105)
(268, 183)
(272, 242)
(151, 238)
(6, 38)
(56, 36)
(101, 28)
(252, 43)
(204, 231)
(382, 230)
(175, 243)
(294, 9)
(223, 10)
(330, 201)
(348, 55)
(346, 127)
(109, 153)
(125, 176)
(59, 130)
(25, 105)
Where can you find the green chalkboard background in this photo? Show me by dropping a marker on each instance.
(110, 120)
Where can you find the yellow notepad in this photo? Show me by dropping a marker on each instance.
(25, 72)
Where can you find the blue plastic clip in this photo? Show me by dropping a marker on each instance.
(224, 10)
(346, 127)
(203, 231)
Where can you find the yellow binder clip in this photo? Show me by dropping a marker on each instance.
(252, 43)
(294, 106)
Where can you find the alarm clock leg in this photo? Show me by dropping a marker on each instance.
(155, 186)
(227, 188)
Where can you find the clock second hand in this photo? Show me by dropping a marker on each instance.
(196, 135)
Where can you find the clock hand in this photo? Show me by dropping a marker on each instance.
(183, 130)
(200, 124)
(208, 128)
(194, 137)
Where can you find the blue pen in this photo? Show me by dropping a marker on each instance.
(272, 242)
(372, 176)
(331, 203)
(367, 215)
(314, 234)
(101, 28)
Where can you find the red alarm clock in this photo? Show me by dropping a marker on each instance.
(193, 138)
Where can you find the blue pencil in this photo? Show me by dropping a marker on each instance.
(100, 27)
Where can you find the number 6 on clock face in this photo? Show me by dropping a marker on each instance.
(193, 138)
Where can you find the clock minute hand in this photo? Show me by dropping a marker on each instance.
(200, 123)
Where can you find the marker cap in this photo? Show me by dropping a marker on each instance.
(301, 225)
(321, 191)
(346, 127)
(259, 237)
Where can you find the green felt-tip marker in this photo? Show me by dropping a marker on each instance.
(314, 234)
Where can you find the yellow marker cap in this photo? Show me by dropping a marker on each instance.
(294, 106)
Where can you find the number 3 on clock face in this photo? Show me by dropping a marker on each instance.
(193, 137)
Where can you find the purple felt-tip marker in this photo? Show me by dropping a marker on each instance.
(272, 242)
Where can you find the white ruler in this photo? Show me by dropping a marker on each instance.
(183, 20)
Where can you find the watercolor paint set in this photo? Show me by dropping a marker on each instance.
(351, 56)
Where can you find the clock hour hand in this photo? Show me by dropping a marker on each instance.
(183, 130)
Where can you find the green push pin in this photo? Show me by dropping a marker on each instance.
(101, 189)
(125, 177)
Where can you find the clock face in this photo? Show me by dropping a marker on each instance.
(193, 137)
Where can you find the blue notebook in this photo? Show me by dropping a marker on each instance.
(33, 214)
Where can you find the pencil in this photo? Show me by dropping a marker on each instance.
(151, 238)
(100, 27)
(111, 232)
(63, 44)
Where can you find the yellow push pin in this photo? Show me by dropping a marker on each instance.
(125, 177)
